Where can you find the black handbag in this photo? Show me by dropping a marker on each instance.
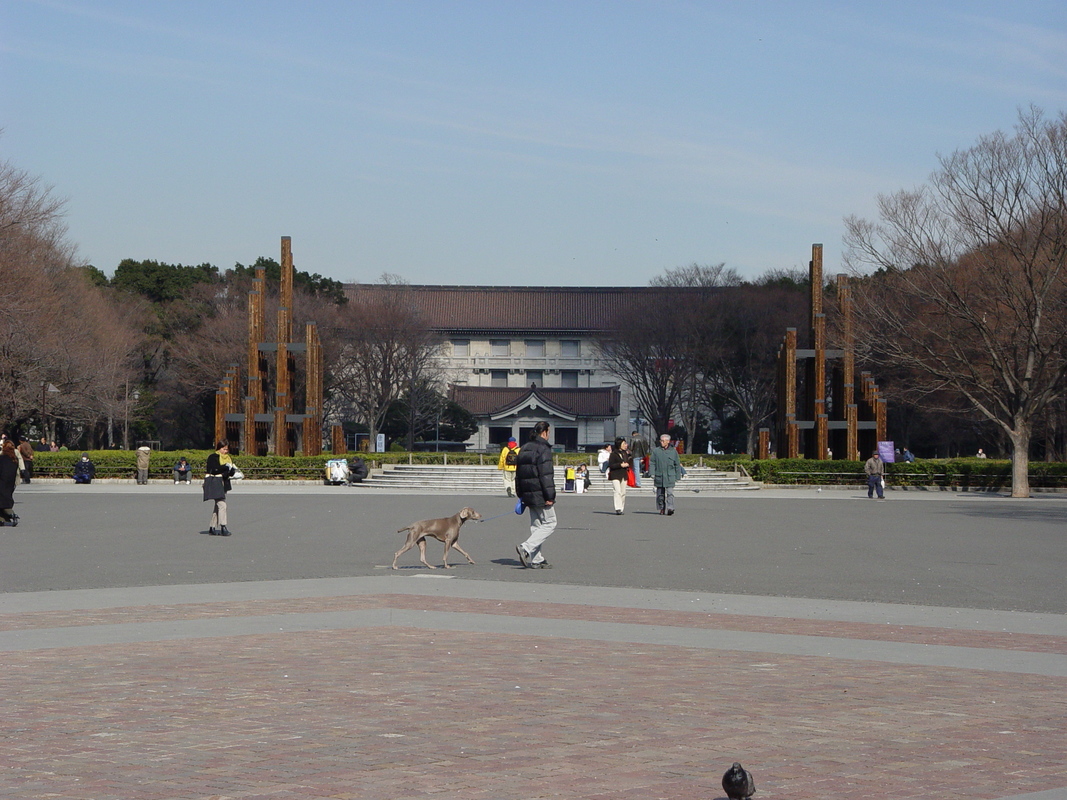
(214, 488)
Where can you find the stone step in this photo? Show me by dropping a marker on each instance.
(473, 478)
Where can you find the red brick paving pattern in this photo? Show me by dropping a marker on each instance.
(395, 713)
(686, 619)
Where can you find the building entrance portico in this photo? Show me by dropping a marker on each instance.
(578, 417)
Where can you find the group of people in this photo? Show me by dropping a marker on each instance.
(24, 452)
(217, 475)
(534, 483)
(16, 462)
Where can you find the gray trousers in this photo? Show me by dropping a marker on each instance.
(542, 523)
(665, 498)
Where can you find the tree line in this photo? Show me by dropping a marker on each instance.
(960, 293)
(92, 361)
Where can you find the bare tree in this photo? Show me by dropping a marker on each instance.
(53, 367)
(385, 348)
(971, 287)
(739, 366)
(659, 353)
(698, 275)
(696, 334)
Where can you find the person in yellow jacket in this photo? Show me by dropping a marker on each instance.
(509, 461)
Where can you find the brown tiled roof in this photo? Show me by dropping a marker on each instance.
(482, 400)
(523, 308)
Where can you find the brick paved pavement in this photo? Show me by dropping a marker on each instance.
(409, 685)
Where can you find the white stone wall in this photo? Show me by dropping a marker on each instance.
(477, 366)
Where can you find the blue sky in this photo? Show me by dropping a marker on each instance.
(505, 142)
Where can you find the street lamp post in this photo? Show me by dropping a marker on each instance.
(46, 389)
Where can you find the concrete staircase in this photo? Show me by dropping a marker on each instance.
(474, 479)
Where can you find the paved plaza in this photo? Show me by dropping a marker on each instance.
(837, 647)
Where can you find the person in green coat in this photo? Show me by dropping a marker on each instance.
(666, 469)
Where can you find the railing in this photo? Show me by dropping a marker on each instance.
(942, 480)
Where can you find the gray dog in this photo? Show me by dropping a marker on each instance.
(443, 530)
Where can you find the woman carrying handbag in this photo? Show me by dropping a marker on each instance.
(219, 470)
(619, 464)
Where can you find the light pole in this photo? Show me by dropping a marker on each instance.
(46, 389)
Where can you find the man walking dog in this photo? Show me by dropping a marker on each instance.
(536, 486)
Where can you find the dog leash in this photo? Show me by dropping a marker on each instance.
(486, 519)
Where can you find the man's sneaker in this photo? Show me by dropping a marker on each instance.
(524, 557)
(541, 565)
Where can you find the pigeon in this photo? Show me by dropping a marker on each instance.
(737, 783)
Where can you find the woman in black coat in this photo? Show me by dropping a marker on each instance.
(216, 484)
(618, 472)
(9, 472)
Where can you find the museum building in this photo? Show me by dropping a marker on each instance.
(512, 356)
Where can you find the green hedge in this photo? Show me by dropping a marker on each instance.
(952, 473)
(963, 473)
(123, 464)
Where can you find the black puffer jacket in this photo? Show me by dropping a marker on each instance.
(534, 477)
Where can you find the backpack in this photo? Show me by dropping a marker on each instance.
(512, 458)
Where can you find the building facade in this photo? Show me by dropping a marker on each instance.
(514, 355)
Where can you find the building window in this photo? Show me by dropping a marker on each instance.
(570, 348)
(499, 347)
(461, 348)
(535, 376)
(568, 378)
(498, 377)
(535, 348)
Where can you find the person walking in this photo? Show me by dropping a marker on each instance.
(9, 471)
(875, 470)
(144, 457)
(26, 451)
(535, 484)
(619, 463)
(509, 461)
(638, 452)
(666, 469)
(219, 470)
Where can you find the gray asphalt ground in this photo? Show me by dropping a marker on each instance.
(919, 548)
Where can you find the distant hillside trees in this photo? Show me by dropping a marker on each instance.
(197, 326)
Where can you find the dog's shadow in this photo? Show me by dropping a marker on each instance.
(436, 567)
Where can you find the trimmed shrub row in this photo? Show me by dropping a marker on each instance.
(956, 473)
(973, 473)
